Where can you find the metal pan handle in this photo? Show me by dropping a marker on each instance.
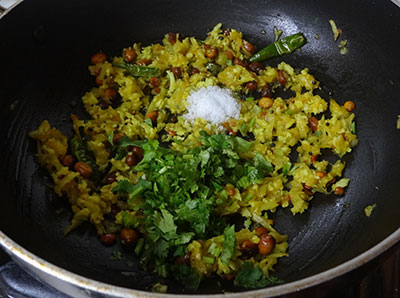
(397, 2)
(7, 5)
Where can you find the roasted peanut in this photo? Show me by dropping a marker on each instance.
(152, 116)
(249, 47)
(67, 161)
(248, 248)
(282, 77)
(131, 160)
(261, 231)
(349, 105)
(211, 52)
(265, 102)
(252, 85)
(129, 54)
(128, 236)
(339, 190)
(108, 239)
(83, 169)
(172, 38)
(313, 123)
(110, 93)
(266, 244)
(99, 57)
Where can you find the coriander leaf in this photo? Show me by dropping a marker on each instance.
(243, 182)
(150, 154)
(152, 234)
(187, 276)
(219, 172)
(286, 168)
(242, 145)
(129, 220)
(214, 250)
(124, 186)
(293, 169)
(353, 127)
(139, 188)
(139, 246)
(231, 163)
(262, 164)
(243, 129)
(247, 223)
(161, 248)
(253, 173)
(183, 238)
(180, 190)
(203, 134)
(251, 277)
(165, 222)
(317, 133)
(125, 142)
(160, 268)
(218, 142)
(148, 122)
(208, 260)
(228, 247)
(120, 154)
(230, 153)
(180, 251)
(252, 121)
(205, 157)
(110, 138)
(150, 146)
(196, 213)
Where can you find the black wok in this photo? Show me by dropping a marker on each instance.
(45, 50)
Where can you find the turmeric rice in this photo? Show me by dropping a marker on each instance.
(116, 170)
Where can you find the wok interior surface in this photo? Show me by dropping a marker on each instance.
(46, 48)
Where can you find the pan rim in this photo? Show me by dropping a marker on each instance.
(17, 251)
(100, 287)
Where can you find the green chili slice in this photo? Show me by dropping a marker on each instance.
(283, 46)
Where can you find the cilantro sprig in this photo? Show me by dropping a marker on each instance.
(178, 192)
(251, 277)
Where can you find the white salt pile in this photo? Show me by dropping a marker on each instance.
(214, 104)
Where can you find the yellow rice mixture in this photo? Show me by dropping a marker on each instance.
(276, 131)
